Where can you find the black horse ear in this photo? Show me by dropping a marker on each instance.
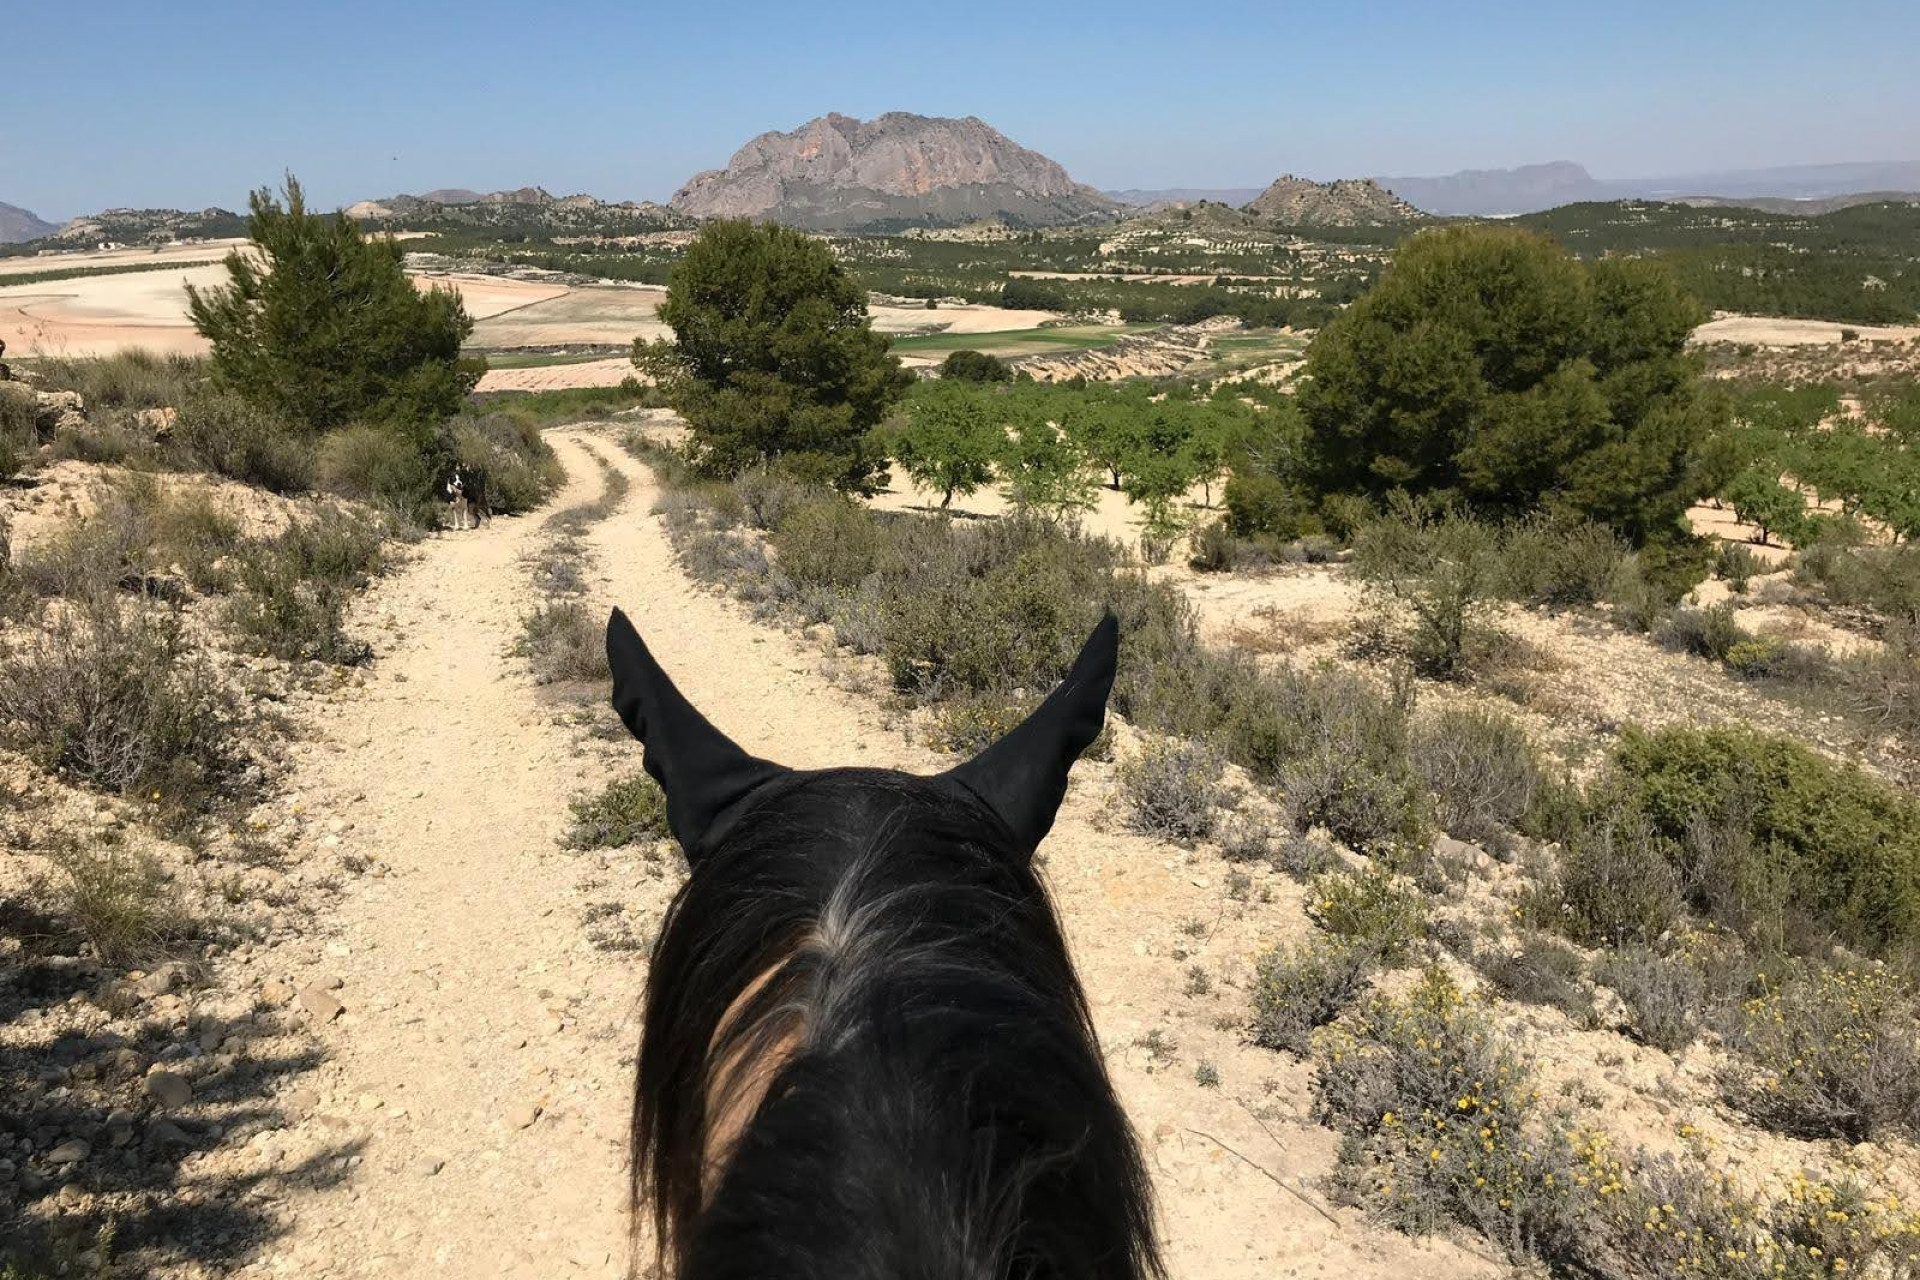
(701, 770)
(1023, 777)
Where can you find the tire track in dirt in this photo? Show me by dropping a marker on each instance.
(472, 992)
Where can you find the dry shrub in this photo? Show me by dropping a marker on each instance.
(120, 901)
(1666, 997)
(1372, 910)
(1337, 747)
(109, 693)
(1543, 970)
(224, 434)
(295, 588)
(1829, 1051)
(1173, 790)
(561, 640)
(1297, 990)
(1479, 769)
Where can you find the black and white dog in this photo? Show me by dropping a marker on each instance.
(467, 498)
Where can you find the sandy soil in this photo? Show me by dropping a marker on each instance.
(610, 372)
(473, 996)
(99, 315)
(185, 254)
(1771, 331)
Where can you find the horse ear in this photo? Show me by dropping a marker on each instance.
(701, 770)
(1023, 776)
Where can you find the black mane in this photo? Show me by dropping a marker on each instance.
(943, 1110)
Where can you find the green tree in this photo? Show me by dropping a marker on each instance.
(774, 358)
(1757, 497)
(975, 366)
(1043, 468)
(950, 438)
(1489, 364)
(321, 325)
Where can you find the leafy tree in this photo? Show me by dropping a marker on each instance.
(1758, 497)
(975, 366)
(1106, 423)
(321, 326)
(1044, 469)
(774, 358)
(950, 438)
(1489, 364)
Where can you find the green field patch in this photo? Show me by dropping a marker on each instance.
(1017, 342)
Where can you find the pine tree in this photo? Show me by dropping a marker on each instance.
(321, 325)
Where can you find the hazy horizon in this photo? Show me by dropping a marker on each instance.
(144, 108)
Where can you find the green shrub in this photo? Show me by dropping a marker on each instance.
(1613, 883)
(1706, 633)
(1826, 842)
(110, 694)
(1556, 559)
(1212, 548)
(520, 468)
(1297, 990)
(975, 366)
(1259, 503)
(1172, 789)
(631, 810)
(971, 722)
(1435, 1107)
(1371, 910)
(828, 542)
(1883, 579)
(295, 588)
(1736, 565)
(1829, 1052)
(1337, 747)
(1479, 769)
(223, 434)
(379, 465)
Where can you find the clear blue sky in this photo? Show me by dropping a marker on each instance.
(192, 103)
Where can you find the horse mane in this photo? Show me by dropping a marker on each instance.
(865, 1055)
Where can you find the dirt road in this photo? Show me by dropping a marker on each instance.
(482, 1064)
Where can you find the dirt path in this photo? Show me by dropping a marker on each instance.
(473, 995)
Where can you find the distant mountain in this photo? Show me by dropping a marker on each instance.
(896, 171)
(1493, 192)
(1812, 206)
(527, 210)
(1534, 187)
(17, 225)
(148, 226)
(1348, 202)
(1175, 196)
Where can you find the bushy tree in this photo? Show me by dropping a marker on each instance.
(774, 358)
(321, 326)
(1044, 469)
(975, 366)
(950, 437)
(1757, 497)
(1489, 364)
